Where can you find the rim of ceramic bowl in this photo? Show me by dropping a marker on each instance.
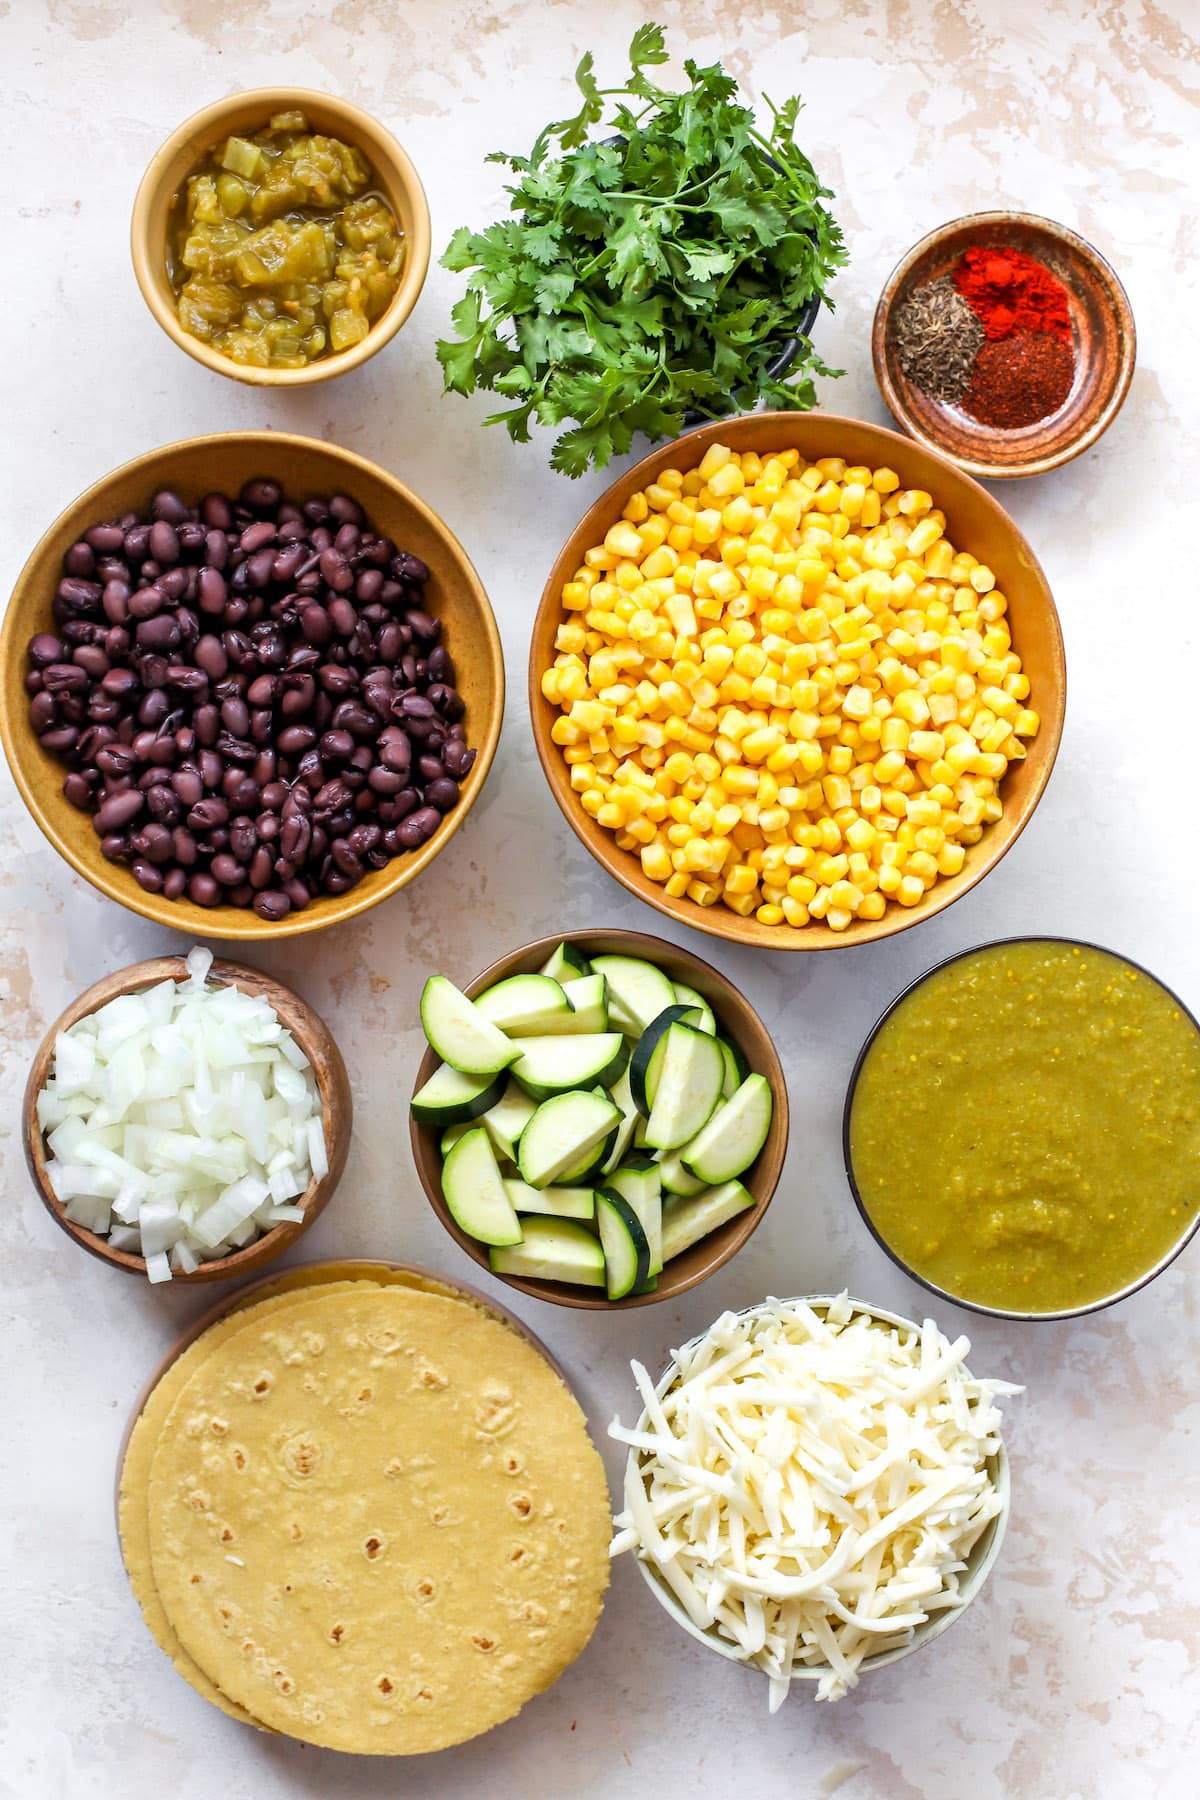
(425, 1139)
(717, 921)
(975, 1306)
(199, 134)
(1118, 300)
(980, 1563)
(225, 923)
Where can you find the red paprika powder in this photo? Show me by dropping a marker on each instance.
(1011, 292)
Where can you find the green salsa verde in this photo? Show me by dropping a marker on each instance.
(1024, 1131)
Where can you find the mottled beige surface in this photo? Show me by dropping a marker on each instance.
(1074, 1677)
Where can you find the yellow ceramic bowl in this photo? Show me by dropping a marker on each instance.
(304, 467)
(249, 112)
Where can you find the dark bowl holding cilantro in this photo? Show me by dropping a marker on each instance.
(665, 273)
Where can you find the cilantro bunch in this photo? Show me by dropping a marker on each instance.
(648, 275)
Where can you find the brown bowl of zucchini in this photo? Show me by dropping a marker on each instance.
(599, 1119)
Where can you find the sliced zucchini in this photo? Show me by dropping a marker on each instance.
(687, 996)
(686, 1221)
(645, 1060)
(589, 1167)
(566, 963)
(525, 1005)
(589, 999)
(452, 1134)
(637, 991)
(556, 1065)
(626, 1251)
(736, 1067)
(553, 1250)
(620, 1095)
(460, 1034)
(449, 1097)
(558, 1202)
(675, 1178)
(564, 1130)
(505, 1121)
(474, 1191)
(639, 1182)
(689, 1088)
(733, 1136)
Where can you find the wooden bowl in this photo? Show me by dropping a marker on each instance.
(736, 1019)
(193, 468)
(248, 112)
(975, 522)
(313, 1037)
(1105, 348)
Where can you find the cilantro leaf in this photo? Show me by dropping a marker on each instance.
(647, 274)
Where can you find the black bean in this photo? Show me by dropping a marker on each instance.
(43, 712)
(297, 695)
(235, 717)
(261, 868)
(65, 678)
(119, 810)
(202, 890)
(216, 550)
(418, 826)
(159, 634)
(164, 544)
(174, 883)
(228, 871)
(261, 495)
(442, 794)
(212, 592)
(256, 537)
(105, 540)
(75, 789)
(406, 567)
(294, 839)
(457, 759)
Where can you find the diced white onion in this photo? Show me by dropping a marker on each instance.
(181, 1121)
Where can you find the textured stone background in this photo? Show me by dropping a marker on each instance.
(1074, 1676)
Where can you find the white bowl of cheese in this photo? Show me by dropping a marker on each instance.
(815, 1488)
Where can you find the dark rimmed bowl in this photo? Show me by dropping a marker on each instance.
(999, 1312)
(1103, 331)
(737, 1019)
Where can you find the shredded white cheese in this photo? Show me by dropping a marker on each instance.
(809, 1485)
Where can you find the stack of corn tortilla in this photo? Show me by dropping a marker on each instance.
(363, 1510)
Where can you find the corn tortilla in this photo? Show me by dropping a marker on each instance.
(133, 1521)
(376, 1520)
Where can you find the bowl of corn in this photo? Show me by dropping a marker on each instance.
(797, 681)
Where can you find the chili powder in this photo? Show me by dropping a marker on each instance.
(1020, 379)
(1011, 292)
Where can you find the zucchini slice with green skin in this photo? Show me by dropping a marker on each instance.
(736, 1067)
(590, 1167)
(449, 1097)
(553, 1250)
(452, 1134)
(556, 1065)
(675, 1178)
(645, 1061)
(557, 1202)
(689, 1088)
(687, 996)
(564, 1132)
(588, 995)
(626, 1251)
(505, 1121)
(525, 1005)
(460, 1034)
(733, 1136)
(639, 1182)
(637, 991)
(566, 963)
(474, 1191)
(621, 1096)
(686, 1221)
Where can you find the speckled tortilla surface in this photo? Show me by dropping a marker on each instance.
(376, 1521)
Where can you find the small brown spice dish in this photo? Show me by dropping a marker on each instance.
(313, 1037)
(736, 1019)
(303, 468)
(249, 112)
(1102, 328)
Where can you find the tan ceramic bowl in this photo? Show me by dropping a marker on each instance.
(395, 177)
(975, 522)
(313, 1037)
(736, 1019)
(1105, 348)
(193, 468)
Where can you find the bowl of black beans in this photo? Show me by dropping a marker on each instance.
(249, 685)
